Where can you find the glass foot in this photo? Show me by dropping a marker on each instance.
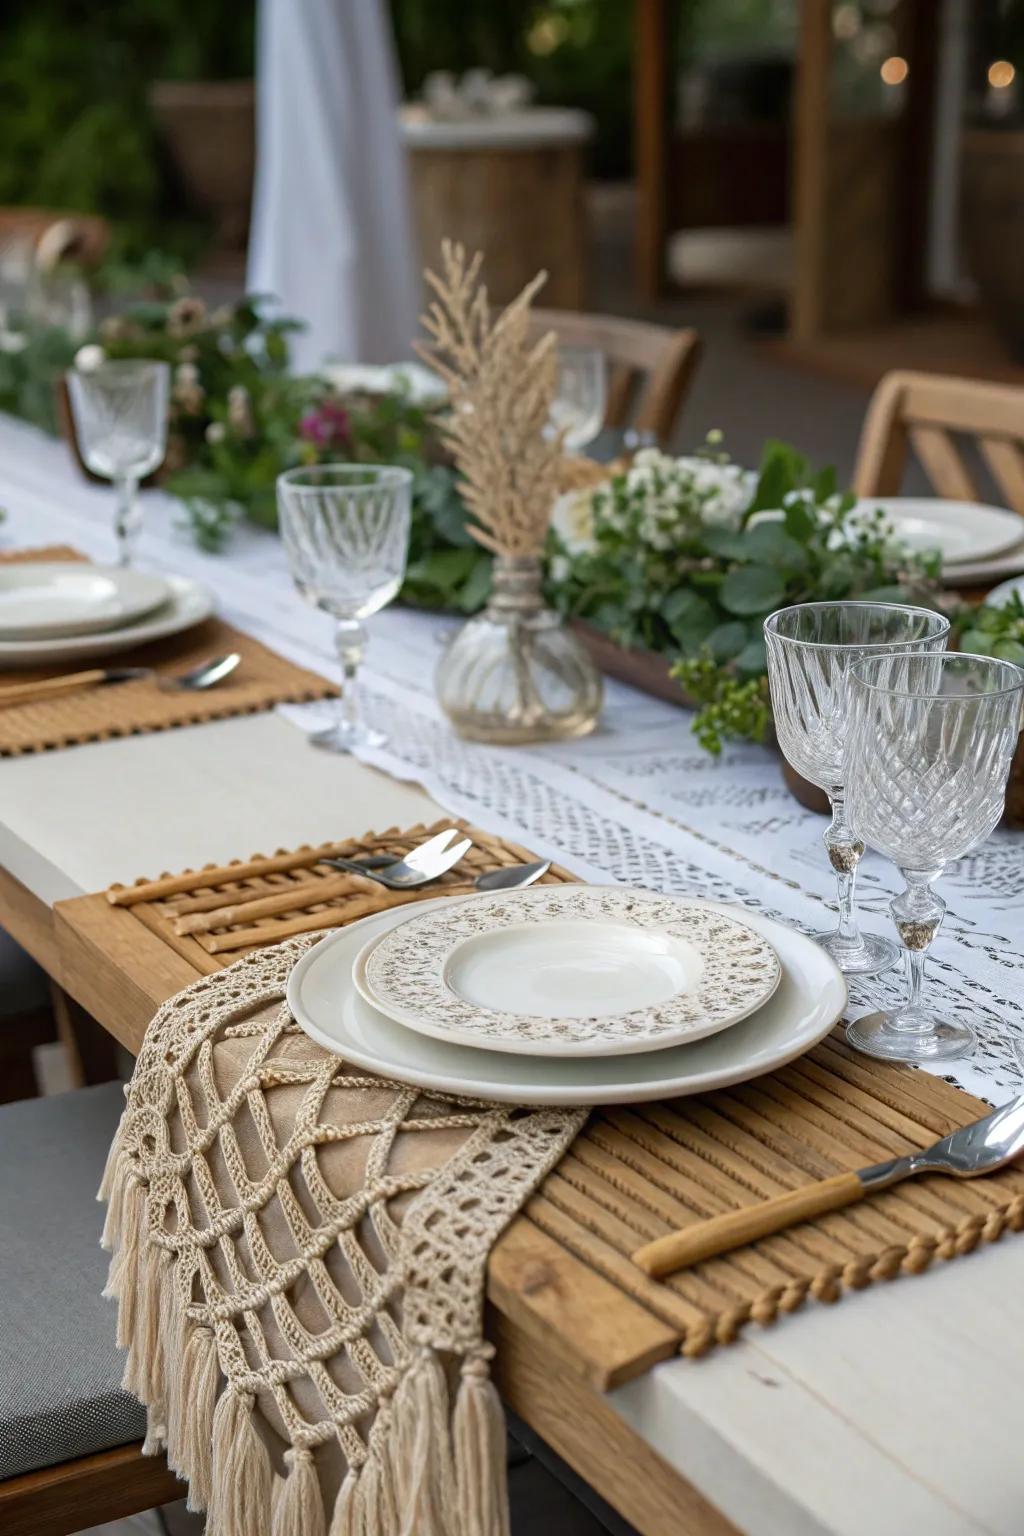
(872, 955)
(346, 738)
(930, 1039)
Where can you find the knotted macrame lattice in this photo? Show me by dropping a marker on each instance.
(299, 1256)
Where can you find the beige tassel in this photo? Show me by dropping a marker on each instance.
(175, 1329)
(123, 1277)
(241, 1473)
(143, 1373)
(112, 1168)
(422, 1450)
(114, 1219)
(298, 1506)
(200, 1379)
(156, 1434)
(386, 1489)
(343, 1521)
(478, 1432)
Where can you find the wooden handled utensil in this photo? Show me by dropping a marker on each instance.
(195, 680)
(53, 687)
(981, 1147)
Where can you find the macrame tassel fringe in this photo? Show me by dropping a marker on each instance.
(123, 1275)
(144, 1368)
(343, 1521)
(111, 1168)
(115, 1181)
(173, 1329)
(421, 1444)
(429, 1471)
(298, 1505)
(241, 1474)
(200, 1377)
(478, 1432)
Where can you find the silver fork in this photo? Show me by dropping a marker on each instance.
(425, 863)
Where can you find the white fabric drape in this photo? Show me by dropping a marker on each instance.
(332, 232)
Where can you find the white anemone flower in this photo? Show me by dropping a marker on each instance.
(572, 518)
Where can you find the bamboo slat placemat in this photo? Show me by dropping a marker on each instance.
(637, 1172)
(262, 680)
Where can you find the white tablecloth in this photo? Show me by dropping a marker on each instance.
(636, 802)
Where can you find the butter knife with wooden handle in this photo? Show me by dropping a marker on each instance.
(980, 1147)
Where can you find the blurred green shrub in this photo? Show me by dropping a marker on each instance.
(74, 120)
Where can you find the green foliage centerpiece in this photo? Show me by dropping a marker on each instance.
(686, 557)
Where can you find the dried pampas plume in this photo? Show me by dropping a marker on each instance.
(501, 385)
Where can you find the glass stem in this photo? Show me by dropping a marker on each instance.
(350, 643)
(845, 851)
(918, 915)
(127, 518)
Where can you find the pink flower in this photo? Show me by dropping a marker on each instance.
(327, 426)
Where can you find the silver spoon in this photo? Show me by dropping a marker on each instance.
(206, 675)
(981, 1147)
(512, 877)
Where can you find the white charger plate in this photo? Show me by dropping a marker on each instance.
(961, 531)
(189, 603)
(48, 599)
(323, 999)
(563, 970)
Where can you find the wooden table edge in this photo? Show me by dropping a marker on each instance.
(30, 923)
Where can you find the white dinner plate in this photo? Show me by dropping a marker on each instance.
(809, 999)
(1002, 594)
(960, 530)
(568, 970)
(46, 599)
(189, 603)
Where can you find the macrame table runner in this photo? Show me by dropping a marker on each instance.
(299, 1250)
(262, 680)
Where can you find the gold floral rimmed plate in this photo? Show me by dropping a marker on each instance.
(571, 970)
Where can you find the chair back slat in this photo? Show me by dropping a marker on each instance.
(621, 389)
(942, 463)
(927, 413)
(1006, 464)
(649, 366)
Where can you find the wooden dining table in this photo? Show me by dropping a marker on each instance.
(897, 1410)
(893, 1411)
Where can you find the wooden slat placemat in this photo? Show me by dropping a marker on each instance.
(637, 1172)
(262, 680)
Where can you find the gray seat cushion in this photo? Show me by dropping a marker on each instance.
(60, 1373)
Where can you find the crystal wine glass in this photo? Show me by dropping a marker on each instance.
(811, 648)
(580, 396)
(120, 415)
(346, 532)
(930, 743)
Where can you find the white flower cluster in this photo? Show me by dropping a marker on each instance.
(660, 501)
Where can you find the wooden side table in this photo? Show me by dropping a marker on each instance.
(509, 186)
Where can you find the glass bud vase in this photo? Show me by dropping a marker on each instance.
(515, 673)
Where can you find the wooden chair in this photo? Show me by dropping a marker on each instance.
(925, 413)
(649, 366)
(78, 237)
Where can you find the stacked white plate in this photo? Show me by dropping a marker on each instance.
(567, 994)
(54, 611)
